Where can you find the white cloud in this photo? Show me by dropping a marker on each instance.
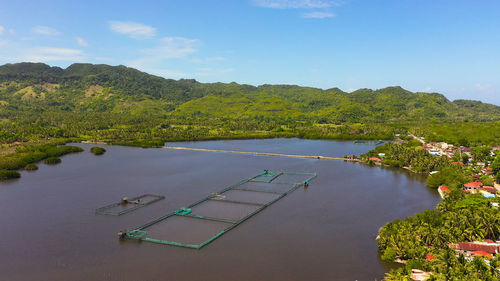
(318, 15)
(81, 42)
(482, 87)
(295, 4)
(45, 30)
(1, 29)
(46, 54)
(132, 29)
(207, 60)
(172, 47)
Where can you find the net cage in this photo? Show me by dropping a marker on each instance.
(209, 218)
(127, 205)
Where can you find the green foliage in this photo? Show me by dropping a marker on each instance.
(31, 167)
(125, 106)
(8, 174)
(31, 154)
(409, 155)
(97, 150)
(451, 176)
(52, 160)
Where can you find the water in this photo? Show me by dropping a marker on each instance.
(325, 232)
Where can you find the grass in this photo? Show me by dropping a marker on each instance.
(8, 174)
(52, 160)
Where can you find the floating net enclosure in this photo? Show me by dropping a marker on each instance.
(204, 221)
(127, 205)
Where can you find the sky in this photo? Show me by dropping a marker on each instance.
(446, 46)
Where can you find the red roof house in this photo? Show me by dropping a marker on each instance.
(444, 189)
(467, 246)
(376, 159)
(473, 186)
(490, 189)
(457, 163)
(481, 254)
(429, 257)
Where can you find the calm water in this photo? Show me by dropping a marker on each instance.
(326, 232)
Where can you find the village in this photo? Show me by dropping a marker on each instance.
(482, 182)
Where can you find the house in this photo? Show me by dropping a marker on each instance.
(470, 247)
(457, 163)
(472, 186)
(481, 254)
(490, 189)
(376, 159)
(419, 275)
(435, 152)
(443, 191)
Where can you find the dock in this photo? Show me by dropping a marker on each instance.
(263, 153)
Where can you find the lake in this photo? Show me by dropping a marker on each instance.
(325, 232)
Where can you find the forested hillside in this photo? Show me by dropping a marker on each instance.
(121, 104)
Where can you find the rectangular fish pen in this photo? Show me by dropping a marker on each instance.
(209, 218)
(127, 205)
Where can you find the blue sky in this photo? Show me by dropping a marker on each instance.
(451, 47)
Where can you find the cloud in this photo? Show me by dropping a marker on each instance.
(45, 30)
(295, 4)
(1, 29)
(132, 29)
(172, 47)
(318, 15)
(81, 42)
(207, 60)
(482, 87)
(46, 54)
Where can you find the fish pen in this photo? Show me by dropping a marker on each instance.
(127, 205)
(204, 221)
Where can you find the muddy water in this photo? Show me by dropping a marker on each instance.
(326, 232)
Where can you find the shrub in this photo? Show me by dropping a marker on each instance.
(31, 167)
(97, 150)
(52, 160)
(8, 174)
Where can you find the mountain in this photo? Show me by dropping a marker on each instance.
(120, 89)
(123, 105)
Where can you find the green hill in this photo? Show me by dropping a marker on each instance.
(117, 102)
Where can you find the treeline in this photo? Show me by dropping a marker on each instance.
(408, 154)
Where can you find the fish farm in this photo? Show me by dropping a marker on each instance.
(127, 205)
(204, 221)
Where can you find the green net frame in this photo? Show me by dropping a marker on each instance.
(286, 187)
(134, 204)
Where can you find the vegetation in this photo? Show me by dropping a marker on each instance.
(52, 160)
(28, 154)
(7, 174)
(31, 167)
(459, 217)
(97, 150)
(410, 155)
(121, 105)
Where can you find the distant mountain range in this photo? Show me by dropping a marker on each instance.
(37, 87)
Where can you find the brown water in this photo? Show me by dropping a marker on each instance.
(325, 232)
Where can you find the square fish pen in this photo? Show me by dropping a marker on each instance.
(204, 221)
(129, 205)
